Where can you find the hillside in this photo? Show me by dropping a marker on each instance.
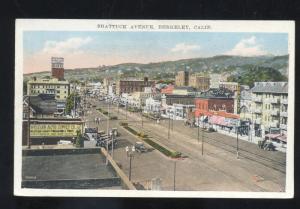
(233, 65)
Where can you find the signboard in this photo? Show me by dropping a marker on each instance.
(53, 130)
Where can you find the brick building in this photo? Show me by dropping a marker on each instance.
(57, 67)
(130, 86)
(182, 78)
(215, 104)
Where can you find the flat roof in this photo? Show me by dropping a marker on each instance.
(67, 166)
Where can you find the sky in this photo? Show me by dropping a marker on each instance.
(92, 49)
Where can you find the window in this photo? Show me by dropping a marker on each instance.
(58, 92)
(58, 87)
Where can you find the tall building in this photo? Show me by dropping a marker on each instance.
(270, 104)
(57, 67)
(199, 82)
(216, 78)
(61, 89)
(130, 86)
(182, 78)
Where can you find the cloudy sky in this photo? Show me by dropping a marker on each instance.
(91, 49)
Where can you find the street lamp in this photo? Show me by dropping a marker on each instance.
(130, 151)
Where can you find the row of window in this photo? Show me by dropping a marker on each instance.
(48, 86)
(45, 91)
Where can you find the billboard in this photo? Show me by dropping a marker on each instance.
(54, 130)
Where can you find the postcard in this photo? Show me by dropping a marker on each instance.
(154, 108)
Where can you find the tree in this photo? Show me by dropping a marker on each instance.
(70, 102)
(79, 139)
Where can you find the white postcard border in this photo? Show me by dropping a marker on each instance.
(91, 25)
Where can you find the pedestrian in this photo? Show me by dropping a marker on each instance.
(99, 120)
(95, 120)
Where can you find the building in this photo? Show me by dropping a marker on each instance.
(270, 105)
(207, 104)
(199, 82)
(130, 86)
(152, 106)
(106, 83)
(184, 90)
(170, 99)
(216, 78)
(182, 78)
(41, 106)
(246, 105)
(59, 88)
(57, 67)
(51, 130)
(232, 86)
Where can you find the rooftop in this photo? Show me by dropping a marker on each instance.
(48, 81)
(65, 170)
(270, 87)
(216, 93)
(188, 88)
(43, 103)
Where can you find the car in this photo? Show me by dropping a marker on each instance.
(140, 147)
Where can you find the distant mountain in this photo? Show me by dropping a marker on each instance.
(234, 65)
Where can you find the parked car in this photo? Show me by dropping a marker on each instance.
(140, 147)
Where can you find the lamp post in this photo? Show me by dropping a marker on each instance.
(130, 151)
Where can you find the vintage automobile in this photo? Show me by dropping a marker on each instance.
(140, 147)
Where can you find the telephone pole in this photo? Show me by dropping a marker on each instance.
(28, 132)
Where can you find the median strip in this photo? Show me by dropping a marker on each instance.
(163, 149)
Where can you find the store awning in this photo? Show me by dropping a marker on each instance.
(272, 136)
(282, 138)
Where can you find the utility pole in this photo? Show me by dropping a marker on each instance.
(112, 146)
(202, 144)
(237, 143)
(169, 128)
(126, 109)
(174, 178)
(198, 129)
(172, 121)
(107, 131)
(74, 108)
(28, 134)
(142, 115)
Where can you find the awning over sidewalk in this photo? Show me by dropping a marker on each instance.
(280, 137)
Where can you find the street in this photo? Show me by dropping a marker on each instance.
(217, 170)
